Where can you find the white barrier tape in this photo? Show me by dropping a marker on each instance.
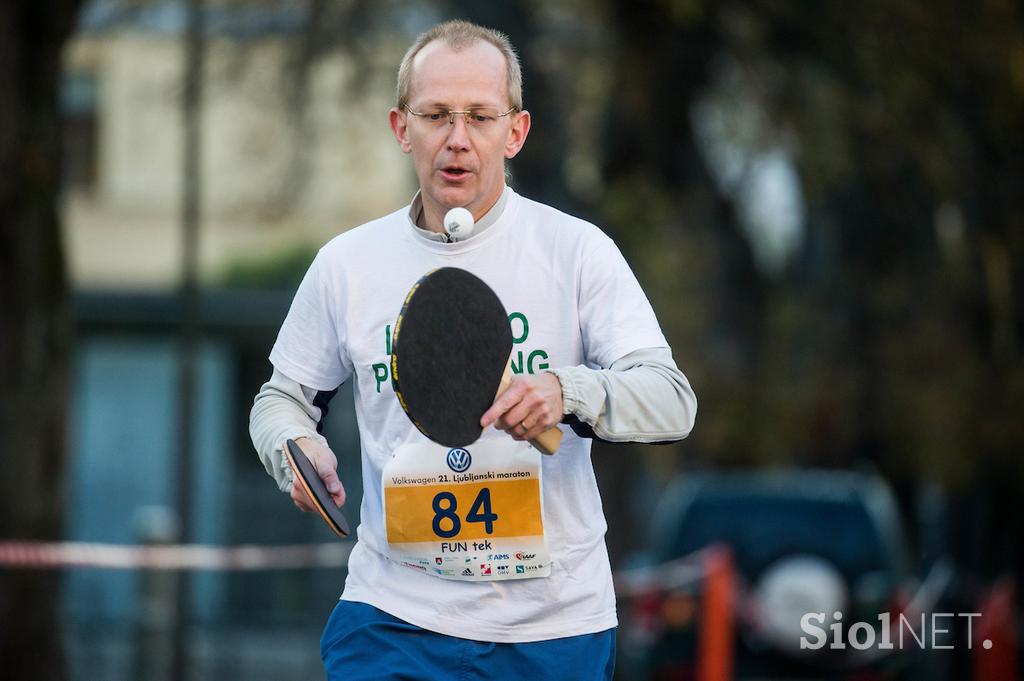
(679, 573)
(172, 556)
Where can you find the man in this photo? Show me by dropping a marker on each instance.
(574, 304)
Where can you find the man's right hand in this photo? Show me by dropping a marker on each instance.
(326, 465)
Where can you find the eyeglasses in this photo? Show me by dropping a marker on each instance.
(478, 119)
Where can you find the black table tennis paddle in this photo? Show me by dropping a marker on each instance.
(451, 356)
(305, 473)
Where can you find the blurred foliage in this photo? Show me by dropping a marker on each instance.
(277, 271)
(894, 333)
(892, 330)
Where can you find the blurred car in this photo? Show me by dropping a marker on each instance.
(801, 541)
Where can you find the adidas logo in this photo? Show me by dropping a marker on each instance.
(468, 572)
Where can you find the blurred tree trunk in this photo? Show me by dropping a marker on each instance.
(676, 226)
(35, 328)
(536, 172)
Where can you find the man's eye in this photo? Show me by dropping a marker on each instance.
(437, 115)
(482, 118)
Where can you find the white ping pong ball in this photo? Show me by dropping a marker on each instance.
(459, 223)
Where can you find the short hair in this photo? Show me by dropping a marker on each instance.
(458, 34)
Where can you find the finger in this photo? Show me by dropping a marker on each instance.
(520, 411)
(334, 486)
(537, 429)
(493, 416)
(300, 498)
(531, 408)
(515, 431)
(505, 401)
(515, 417)
(541, 419)
(329, 475)
(326, 464)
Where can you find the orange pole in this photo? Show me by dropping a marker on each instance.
(715, 638)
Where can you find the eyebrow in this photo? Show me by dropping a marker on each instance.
(448, 107)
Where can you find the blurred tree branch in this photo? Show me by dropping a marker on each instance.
(35, 329)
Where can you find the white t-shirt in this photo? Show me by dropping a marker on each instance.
(572, 300)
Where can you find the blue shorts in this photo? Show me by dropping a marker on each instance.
(362, 642)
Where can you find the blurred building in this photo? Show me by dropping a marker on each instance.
(121, 490)
(295, 148)
(295, 142)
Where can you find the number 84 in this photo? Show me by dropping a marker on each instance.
(445, 505)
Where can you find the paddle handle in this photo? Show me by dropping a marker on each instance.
(548, 441)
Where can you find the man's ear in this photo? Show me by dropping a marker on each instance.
(517, 134)
(400, 126)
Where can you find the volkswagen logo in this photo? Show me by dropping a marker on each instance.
(459, 460)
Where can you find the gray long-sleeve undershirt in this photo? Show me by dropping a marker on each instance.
(641, 397)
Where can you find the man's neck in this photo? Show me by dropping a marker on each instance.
(432, 218)
(485, 221)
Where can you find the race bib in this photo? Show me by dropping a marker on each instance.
(471, 513)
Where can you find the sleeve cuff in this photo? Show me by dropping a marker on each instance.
(570, 391)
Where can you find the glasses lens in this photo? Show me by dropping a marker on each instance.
(482, 118)
(437, 118)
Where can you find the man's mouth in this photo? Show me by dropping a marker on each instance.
(454, 172)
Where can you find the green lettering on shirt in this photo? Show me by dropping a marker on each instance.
(380, 374)
(526, 327)
(534, 355)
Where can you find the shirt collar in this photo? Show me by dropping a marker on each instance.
(489, 218)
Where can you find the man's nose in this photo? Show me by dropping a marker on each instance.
(458, 133)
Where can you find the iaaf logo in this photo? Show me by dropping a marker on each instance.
(525, 556)
(459, 460)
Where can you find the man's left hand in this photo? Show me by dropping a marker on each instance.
(531, 405)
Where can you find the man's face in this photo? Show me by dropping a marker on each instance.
(459, 165)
